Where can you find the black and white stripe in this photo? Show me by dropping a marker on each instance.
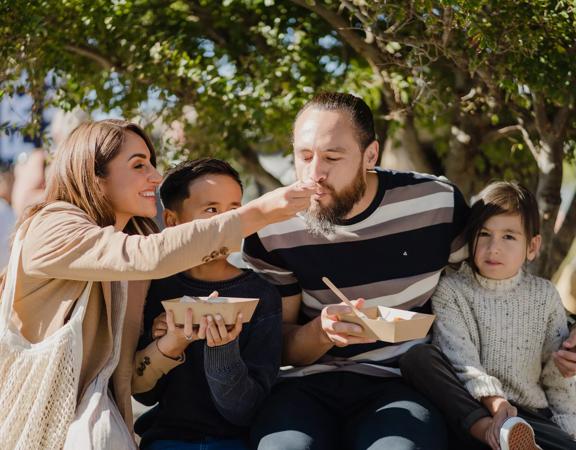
(391, 255)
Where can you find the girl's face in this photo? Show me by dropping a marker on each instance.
(131, 181)
(502, 247)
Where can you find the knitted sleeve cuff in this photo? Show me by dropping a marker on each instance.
(484, 386)
(223, 358)
(567, 422)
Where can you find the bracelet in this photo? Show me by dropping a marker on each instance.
(179, 358)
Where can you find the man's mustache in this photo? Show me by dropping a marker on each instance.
(326, 186)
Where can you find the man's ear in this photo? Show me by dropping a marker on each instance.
(170, 218)
(533, 247)
(371, 155)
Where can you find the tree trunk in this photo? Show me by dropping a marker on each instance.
(564, 238)
(458, 167)
(402, 149)
(249, 160)
(549, 155)
(548, 195)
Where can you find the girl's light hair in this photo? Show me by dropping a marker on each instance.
(81, 159)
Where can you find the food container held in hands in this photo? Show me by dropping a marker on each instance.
(390, 324)
(227, 307)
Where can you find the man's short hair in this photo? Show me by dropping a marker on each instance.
(174, 188)
(357, 108)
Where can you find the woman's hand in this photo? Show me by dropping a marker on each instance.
(275, 206)
(159, 326)
(177, 339)
(217, 333)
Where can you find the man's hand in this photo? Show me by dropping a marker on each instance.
(218, 333)
(565, 358)
(338, 332)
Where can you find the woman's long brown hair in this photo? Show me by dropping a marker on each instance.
(80, 160)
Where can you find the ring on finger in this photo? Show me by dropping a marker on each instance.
(188, 338)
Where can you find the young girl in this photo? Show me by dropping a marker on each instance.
(499, 326)
(69, 322)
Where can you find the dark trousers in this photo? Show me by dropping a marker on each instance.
(347, 411)
(428, 370)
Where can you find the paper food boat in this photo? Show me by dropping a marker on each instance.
(390, 324)
(227, 307)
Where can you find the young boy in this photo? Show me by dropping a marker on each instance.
(209, 382)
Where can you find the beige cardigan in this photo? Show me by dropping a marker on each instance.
(63, 249)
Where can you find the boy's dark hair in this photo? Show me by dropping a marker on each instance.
(174, 188)
(502, 197)
(357, 108)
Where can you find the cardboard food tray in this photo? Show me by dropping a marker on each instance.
(227, 307)
(390, 324)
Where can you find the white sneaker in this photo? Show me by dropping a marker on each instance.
(517, 434)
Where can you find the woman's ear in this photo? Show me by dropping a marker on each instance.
(533, 247)
(101, 183)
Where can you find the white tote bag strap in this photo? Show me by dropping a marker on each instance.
(10, 287)
(10, 282)
(81, 304)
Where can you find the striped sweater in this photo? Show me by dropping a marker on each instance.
(391, 254)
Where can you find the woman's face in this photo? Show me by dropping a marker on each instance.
(131, 181)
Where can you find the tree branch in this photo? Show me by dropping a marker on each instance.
(368, 51)
(502, 133)
(447, 17)
(249, 159)
(564, 237)
(90, 53)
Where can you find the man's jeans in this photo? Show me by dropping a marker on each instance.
(204, 444)
(347, 411)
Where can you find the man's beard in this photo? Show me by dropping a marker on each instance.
(322, 220)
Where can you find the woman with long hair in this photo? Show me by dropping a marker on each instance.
(74, 289)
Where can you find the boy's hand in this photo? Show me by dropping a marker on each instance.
(218, 334)
(177, 339)
(159, 325)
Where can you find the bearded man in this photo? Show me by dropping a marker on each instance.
(378, 234)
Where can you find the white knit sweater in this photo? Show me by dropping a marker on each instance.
(500, 335)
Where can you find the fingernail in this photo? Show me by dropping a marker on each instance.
(209, 318)
(218, 317)
(240, 315)
(357, 329)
